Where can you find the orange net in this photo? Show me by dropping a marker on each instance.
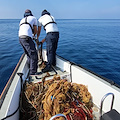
(56, 96)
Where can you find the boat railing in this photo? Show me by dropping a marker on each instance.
(112, 114)
(106, 95)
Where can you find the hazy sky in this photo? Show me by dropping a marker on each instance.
(62, 9)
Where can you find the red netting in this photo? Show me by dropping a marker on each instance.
(79, 112)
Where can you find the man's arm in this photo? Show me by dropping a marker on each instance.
(39, 31)
(35, 29)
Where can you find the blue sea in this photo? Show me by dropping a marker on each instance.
(92, 43)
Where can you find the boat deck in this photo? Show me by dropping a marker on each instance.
(48, 75)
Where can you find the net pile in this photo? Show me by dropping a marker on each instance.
(41, 101)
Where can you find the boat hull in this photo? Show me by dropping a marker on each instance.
(11, 93)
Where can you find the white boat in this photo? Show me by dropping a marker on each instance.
(105, 93)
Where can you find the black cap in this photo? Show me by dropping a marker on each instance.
(28, 13)
(45, 12)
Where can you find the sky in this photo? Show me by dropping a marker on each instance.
(62, 9)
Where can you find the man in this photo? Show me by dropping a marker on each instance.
(27, 30)
(50, 26)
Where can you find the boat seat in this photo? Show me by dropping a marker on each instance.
(111, 115)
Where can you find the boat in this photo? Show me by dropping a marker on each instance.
(105, 93)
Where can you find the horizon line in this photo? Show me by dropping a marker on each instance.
(67, 18)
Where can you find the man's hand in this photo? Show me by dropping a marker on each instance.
(43, 40)
(37, 41)
(40, 43)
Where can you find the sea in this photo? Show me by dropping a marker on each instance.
(92, 43)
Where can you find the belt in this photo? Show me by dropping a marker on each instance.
(24, 37)
(51, 32)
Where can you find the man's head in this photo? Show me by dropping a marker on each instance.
(28, 13)
(45, 12)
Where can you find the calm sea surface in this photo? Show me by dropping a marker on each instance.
(94, 44)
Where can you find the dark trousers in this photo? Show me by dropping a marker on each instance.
(29, 49)
(51, 47)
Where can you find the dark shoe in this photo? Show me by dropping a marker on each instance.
(38, 73)
(32, 73)
(45, 62)
(46, 69)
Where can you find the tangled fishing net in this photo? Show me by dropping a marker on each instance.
(41, 101)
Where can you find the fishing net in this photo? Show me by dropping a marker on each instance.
(41, 101)
(27, 110)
